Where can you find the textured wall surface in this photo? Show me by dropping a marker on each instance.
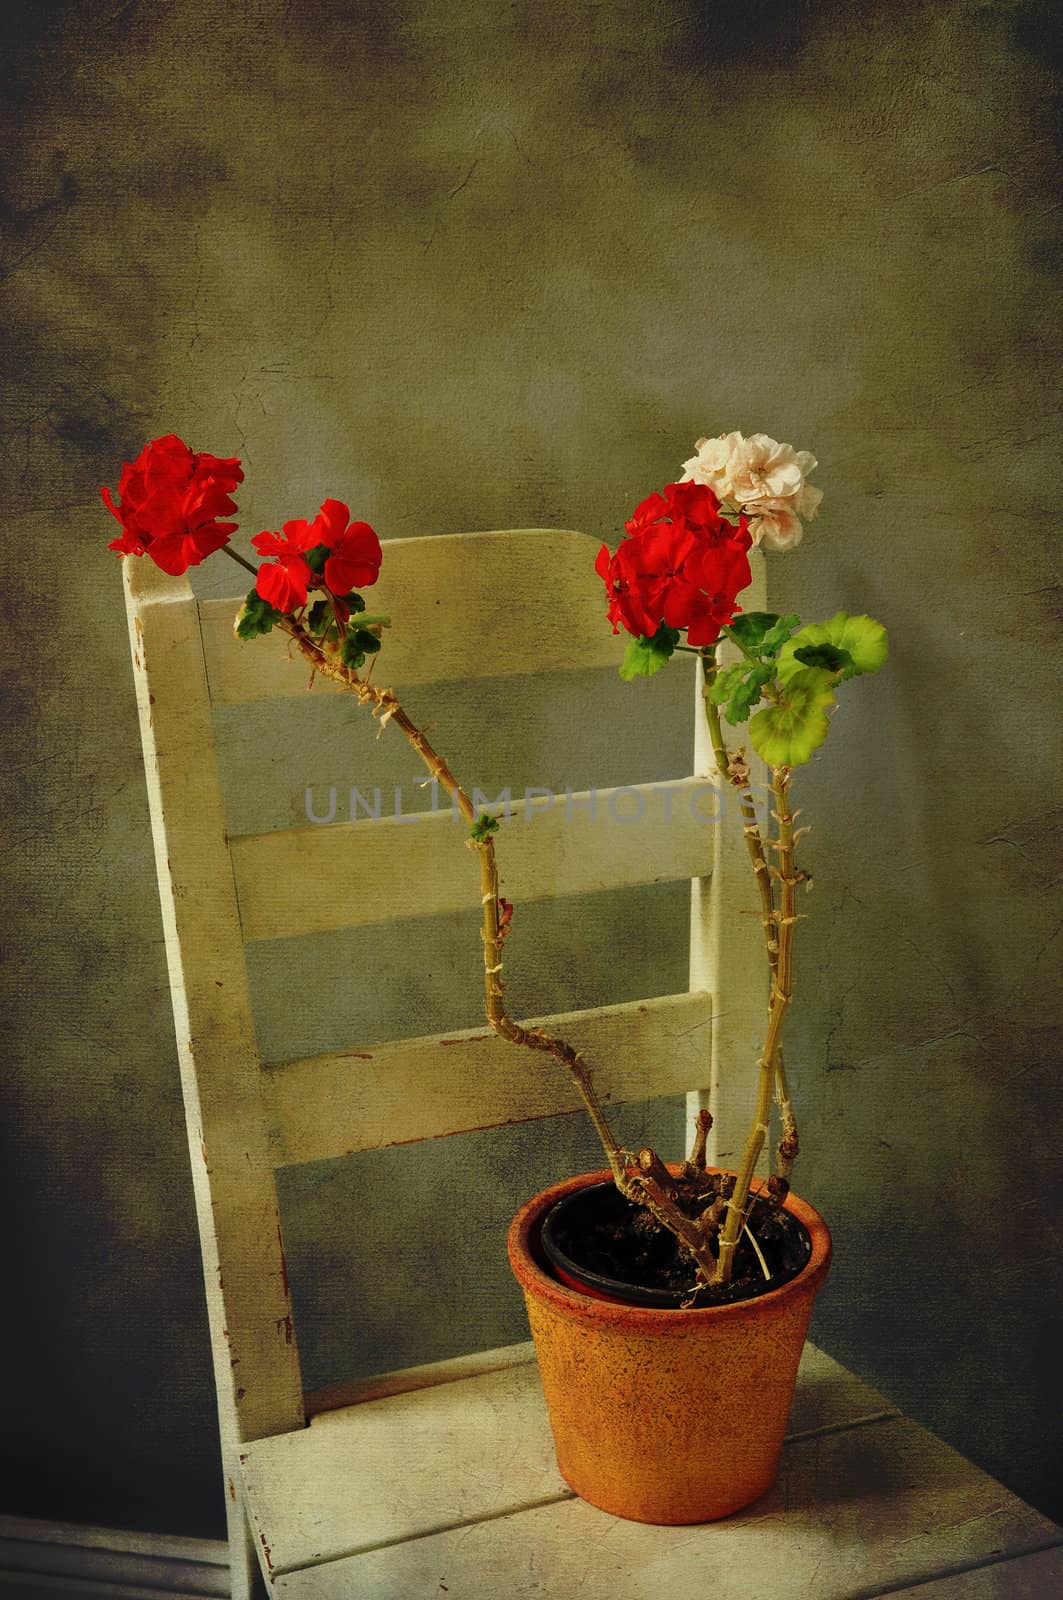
(469, 266)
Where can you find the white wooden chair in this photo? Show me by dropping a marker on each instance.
(414, 1476)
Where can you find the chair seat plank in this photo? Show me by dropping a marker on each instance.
(429, 587)
(449, 1456)
(402, 1467)
(336, 1105)
(857, 1512)
(353, 874)
(1038, 1576)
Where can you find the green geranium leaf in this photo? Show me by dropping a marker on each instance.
(366, 641)
(786, 734)
(776, 637)
(726, 682)
(862, 638)
(353, 602)
(351, 653)
(746, 693)
(643, 657)
(483, 826)
(823, 655)
(762, 632)
(319, 616)
(316, 558)
(749, 627)
(256, 616)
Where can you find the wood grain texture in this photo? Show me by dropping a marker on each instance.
(452, 1455)
(353, 874)
(855, 1514)
(1037, 1576)
(256, 1364)
(442, 598)
(334, 1105)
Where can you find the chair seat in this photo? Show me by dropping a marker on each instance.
(451, 1488)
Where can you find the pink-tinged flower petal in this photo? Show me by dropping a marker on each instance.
(764, 478)
(284, 582)
(806, 502)
(777, 530)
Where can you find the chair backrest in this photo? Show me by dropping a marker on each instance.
(540, 607)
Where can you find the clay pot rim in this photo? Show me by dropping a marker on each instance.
(661, 1319)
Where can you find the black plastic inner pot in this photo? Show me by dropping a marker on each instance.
(589, 1236)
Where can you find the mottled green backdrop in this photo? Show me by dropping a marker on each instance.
(482, 265)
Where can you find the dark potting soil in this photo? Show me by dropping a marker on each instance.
(606, 1235)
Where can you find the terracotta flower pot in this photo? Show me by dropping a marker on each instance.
(664, 1415)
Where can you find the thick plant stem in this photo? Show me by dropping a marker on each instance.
(640, 1183)
(788, 1147)
(735, 770)
(779, 1004)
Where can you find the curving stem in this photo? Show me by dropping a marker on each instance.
(641, 1182)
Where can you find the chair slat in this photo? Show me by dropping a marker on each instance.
(465, 607)
(334, 1105)
(354, 874)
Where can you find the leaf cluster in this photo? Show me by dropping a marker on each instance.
(356, 643)
(256, 616)
(809, 666)
(738, 688)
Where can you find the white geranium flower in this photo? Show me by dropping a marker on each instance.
(762, 478)
(712, 464)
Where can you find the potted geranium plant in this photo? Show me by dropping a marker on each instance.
(670, 1379)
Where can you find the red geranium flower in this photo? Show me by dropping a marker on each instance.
(353, 561)
(169, 502)
(680, 563)
(283, 582)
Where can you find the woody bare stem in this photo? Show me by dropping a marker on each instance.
(736, 772)
(641, 1184)
(779, 1004)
